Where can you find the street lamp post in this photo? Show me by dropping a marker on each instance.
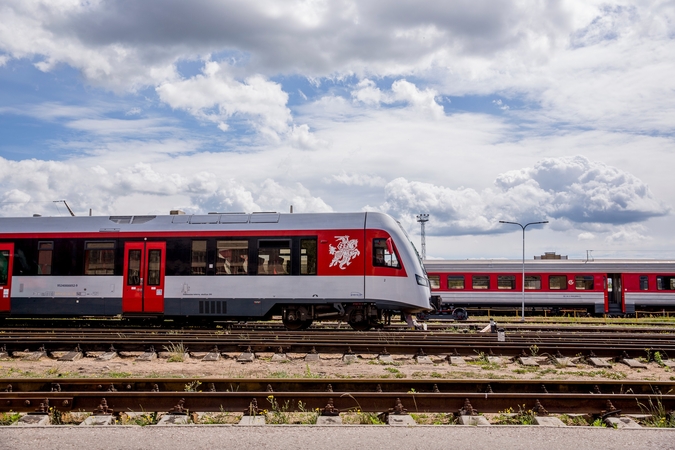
(423, 219)
(522, 318)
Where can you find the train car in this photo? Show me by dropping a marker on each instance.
(612, 287)
(354, 267)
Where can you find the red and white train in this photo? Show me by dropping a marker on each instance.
(356, 267)
(613, 287)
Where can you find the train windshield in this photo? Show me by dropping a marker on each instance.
(419, 258)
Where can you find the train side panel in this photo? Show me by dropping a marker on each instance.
(236, 266)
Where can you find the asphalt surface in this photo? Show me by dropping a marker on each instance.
(332, 438)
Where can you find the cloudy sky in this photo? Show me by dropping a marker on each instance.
(471, 111)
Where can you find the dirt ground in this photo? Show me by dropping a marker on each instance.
(329, 366)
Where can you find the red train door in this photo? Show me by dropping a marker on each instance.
(143, 290)
(615, 303)
(6, 260)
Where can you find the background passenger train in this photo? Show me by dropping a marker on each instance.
(615, 287)
(356, 267)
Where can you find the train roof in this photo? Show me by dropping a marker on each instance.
(551, 265)
(263, 221)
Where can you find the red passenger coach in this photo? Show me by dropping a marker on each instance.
(613, 287)
(356, 267)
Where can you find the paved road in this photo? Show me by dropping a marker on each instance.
(333, 438)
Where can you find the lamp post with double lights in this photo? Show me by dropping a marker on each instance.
(522, 318)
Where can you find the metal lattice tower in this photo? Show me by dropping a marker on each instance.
(423, 219)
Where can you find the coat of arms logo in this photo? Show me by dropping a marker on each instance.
(345, 252)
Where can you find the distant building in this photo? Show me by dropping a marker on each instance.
(550, 255)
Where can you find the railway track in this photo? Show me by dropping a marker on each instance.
(616, 345)
(370, 395)
(587, 326)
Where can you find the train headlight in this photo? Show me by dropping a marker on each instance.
(422, 281)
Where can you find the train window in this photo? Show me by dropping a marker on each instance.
(232, 257)
(4, 266)
(455, 281)
(45, 250)
(274, 257)
(644, 283)
(533, 282)
(154, 267)
(557, 282)
(584, 282)
(198, 258)
(134, 268)
(435, 281)
(383, 254)
(665, 283)
(506, 282)
(99, 258)
(308, 256)
(481, 282)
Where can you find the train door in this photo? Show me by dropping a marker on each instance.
(6, 260)
(614, 293)
(144, 269)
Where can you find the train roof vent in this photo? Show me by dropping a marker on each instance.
(120, 219)
(142, 219)
(181, 219)
(204, 219)
(234, 218)
(264, 217)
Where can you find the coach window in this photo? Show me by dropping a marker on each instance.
(198, 258)
(435, 281)
(557, 282)
(533, 282)
(383, 254)
(274, 257)
(481, 282)
(455, 281)
(665, 283)
(506, 282)
(308, 256)
(99, 258)
(154, 267)
(232, 257)
(584, 282)
(4, 266)
(134, 268)
(644, 283)
(45, 250)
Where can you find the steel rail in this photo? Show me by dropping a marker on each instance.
(111, 325)
(340, 385)
(470, 345)
(595, 404)
(448, 334)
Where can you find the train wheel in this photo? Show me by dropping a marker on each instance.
(460, 314)
(358, 320)
(293, 325)
(363, 325)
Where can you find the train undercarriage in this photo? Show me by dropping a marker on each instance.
(361, 316)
